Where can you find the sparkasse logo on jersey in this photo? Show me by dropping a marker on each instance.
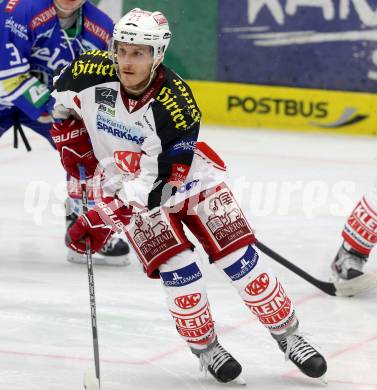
(118, 129)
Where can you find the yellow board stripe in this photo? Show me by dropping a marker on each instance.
(299, 109)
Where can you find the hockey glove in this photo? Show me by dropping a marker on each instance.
(73, 143)
(107, 217)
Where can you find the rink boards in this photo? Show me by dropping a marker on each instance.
(300, 109)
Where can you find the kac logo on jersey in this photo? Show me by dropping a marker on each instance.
(107, 96)
(181, 277)
(127, 161)
(244, 265)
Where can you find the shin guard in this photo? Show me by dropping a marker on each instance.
(187, 300)
(360, 230)
(260, 290)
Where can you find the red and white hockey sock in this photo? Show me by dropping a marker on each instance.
(360, 230)
(187, 300)
(260, 290)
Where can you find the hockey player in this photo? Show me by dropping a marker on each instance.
(38, 37)
(360, 237)
(143, 124)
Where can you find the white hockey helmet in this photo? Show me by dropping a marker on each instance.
(141, 27)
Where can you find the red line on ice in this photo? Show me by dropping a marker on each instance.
(152, 358)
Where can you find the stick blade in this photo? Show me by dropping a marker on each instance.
(91, 381)
(358, 285)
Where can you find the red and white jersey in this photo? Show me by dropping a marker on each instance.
(146, 145)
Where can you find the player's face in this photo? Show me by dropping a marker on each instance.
(68, 6)
(135, 64)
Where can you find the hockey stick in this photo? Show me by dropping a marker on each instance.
(17, 128)
(90, 383)
(328, 288)
(344, 288)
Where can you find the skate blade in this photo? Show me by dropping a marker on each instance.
(91, 381)
(358, 285)
(323, 380)
(240, 381)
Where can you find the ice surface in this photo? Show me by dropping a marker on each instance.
(296, 190)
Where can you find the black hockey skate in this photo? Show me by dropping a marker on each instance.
(220, 363)
(348, 272)
(348, 264)
(114, 253)
(303, 355)
(115, 247)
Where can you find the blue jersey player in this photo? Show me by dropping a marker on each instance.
(38, 37)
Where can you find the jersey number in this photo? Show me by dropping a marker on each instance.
(14, 53)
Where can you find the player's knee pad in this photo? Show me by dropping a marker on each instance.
(183, 282)
(260, 289)
(360, 230)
